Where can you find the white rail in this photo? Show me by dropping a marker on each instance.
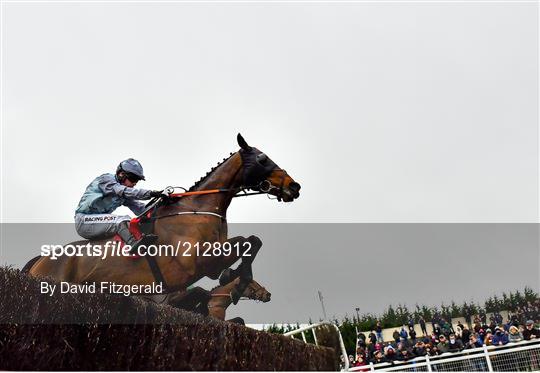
(312, 327)
(510, 357)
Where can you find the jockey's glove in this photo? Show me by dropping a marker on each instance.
(156, 193)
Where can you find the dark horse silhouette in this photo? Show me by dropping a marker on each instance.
(192, 219)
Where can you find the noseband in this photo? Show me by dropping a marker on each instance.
(257, 294)
(266, 186)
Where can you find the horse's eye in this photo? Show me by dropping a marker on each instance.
(262, 158)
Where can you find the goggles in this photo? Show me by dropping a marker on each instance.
(132, 177)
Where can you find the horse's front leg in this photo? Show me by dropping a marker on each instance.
(243, 248)
(248, 247)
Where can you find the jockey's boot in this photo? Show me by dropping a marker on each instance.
(129, 239)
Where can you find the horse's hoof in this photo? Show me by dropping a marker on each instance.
(225, 277)
(255, 241)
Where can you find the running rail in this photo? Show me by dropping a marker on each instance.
(478, 358)
(312, 327)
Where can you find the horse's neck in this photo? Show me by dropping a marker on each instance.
(226, 176)
(218, 299)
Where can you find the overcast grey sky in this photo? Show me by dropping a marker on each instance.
(387, 113)
(394, 112)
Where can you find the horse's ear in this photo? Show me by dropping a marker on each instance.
(243, 144)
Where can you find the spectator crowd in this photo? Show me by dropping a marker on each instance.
(445, 338)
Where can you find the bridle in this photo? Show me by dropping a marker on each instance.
(262, 187)
(265, 186)
(257, 293)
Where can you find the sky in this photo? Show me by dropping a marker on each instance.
(385, 113)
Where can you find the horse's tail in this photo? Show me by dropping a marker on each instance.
(30, 264)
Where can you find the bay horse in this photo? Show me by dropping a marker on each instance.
(198, 216)
(221, 297)
(215, 302)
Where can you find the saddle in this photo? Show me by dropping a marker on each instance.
(141, 225)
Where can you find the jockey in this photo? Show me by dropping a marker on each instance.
(93, 216)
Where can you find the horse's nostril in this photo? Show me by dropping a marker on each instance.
(294, 186)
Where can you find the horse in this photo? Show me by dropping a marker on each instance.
(215, 302)
(221, 297)
(195, 217)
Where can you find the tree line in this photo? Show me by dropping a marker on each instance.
(396, 316)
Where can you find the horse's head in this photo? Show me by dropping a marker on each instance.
(262, 174)
(256, 291)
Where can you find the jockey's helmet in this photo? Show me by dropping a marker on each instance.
(131, 167)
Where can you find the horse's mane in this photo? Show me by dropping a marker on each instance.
(203, 178)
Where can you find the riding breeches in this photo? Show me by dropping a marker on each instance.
(94, 226)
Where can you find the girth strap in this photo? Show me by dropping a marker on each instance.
(154, 267)
(190, 213)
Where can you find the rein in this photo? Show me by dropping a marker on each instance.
(212, 191)
(264, 187)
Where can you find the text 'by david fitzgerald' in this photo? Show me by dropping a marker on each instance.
(100, 287)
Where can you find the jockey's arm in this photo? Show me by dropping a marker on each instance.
(112, 186)
(135, 206)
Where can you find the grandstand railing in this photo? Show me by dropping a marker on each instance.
(312, 327)
(512, 357)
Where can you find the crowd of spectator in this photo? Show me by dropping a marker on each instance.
(445, 338)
